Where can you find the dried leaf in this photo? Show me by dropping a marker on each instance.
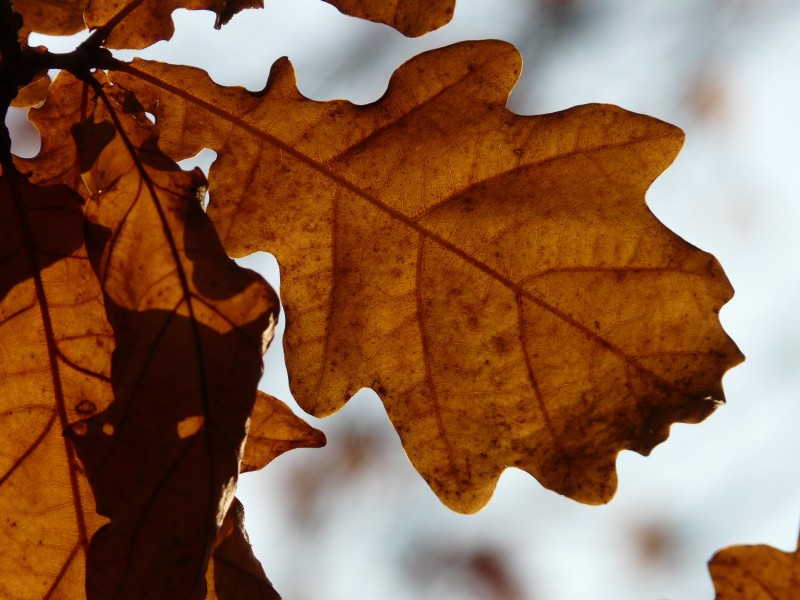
(410, 17)
(275, 429)
(55, 368)
(755, 573)
(34, 93)
(234, 572)
(189, 325)
(497, 279)
(145, 22)
(63, 17)
(57, 161)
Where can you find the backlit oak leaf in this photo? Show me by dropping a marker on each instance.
(410, 17)
(57, 160)
(275, 429)
(190, 328)
(55, 363)
(63, 17)
(141, 23)
(34, 93)
(496, 278)
(755, 573)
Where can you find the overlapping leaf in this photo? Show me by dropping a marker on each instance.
(189, 325)
(755, 573)
(141, 23)
(135, 23)
(497, 279)
(55, 365)
(57, 160)
(234, 572)
(410, 17)
(275, 429)
(64, 17)
(34, 93)
(150, 21)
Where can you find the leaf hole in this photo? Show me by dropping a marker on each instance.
(85, 407)
(190, 426)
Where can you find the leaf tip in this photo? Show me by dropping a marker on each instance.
(281, 79)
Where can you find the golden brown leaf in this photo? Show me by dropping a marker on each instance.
(34, 93)
(410, 17)
(141, 23)
(63, 17)
(755, 573)
(275, 429)
(54, 370)
(234, 573)
(190, 325)
(497, 279)
(57, 161)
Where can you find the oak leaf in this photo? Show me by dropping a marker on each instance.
(755, 573)
(65, 105)
(64, 17)
(496, 278)
(34, 93)
(234, 572)
(190, 328)
(410, 17)
(54, 371)
(140, 23)
(275, 429)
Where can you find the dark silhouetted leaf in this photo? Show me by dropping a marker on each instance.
(234, 572)
(410, 17)
(496, 278)
(755, 573)
(55, 363)
(190, 328)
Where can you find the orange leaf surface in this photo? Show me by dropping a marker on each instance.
(755, 573)
(141, 23)
(57, 160)
(63, 17)
(410, 17)
(496, 278)
(275, 429)
(189, 324)
(55, 366)
(34, 93)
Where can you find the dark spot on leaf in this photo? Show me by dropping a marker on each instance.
(131, 105)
